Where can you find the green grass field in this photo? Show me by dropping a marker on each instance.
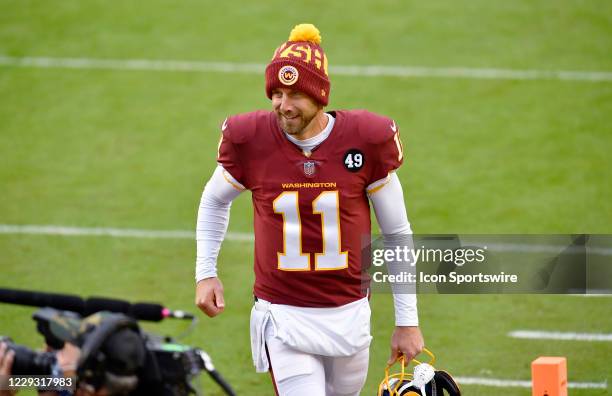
(133, 149)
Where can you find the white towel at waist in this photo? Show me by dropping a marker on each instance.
(336, 331)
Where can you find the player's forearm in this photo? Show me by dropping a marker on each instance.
(213, 219)
(388, 202)
(406, 313)
(392, 218)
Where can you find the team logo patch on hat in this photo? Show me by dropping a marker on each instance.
(288, 75)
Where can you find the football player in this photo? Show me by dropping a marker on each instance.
(310, 173)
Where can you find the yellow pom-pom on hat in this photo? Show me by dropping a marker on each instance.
(305, 32)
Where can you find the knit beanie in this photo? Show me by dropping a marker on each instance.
(300, 64)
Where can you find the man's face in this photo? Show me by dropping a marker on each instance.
(294, 109)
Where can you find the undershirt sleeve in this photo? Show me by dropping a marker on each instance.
(213, 218)
(387, 198)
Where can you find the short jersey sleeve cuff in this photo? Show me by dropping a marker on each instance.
(390, 156)
(228, 156)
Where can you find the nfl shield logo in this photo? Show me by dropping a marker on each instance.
(309, 168)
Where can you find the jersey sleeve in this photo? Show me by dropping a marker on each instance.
(228, 156)
(388, 156)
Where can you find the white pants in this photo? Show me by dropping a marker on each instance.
(296, 373)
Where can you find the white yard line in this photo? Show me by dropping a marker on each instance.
(233, 236)
(558, 335)
(111, 232)
(500, 383)
(340, 70)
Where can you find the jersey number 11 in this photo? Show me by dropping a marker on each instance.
(292, 258)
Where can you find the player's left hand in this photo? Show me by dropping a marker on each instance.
(407, 341)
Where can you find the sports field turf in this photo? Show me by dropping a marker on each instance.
(95, 147)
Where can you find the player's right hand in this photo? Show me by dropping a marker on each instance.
(209, 296)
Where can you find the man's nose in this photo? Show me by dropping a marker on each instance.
(286, 104)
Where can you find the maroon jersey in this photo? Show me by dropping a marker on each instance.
(311, 212)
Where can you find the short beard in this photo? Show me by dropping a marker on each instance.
(294, 129)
